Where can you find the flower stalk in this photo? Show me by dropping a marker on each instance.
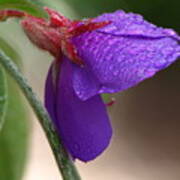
(64, 162)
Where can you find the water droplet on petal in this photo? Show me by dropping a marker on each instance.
(150, 72)
(169, 32)
(119, 59)
(101, 91)
(78, 92)
(146, 72)
(116, 72)
(111, 67)
(76, 146)
(160, 63)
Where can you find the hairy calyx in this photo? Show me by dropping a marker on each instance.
(54, 35)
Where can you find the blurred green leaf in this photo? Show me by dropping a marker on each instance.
(108, 99)
(63, 7)
(93, 7)
(161, 12)
(32, 7)
(14, 135)
(10, 50)
(3, 97)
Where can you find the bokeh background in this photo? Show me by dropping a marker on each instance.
(146, 118)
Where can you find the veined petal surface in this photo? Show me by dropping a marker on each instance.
(122, 54)
(83, 126)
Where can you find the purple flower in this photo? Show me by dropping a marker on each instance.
(116, 57)
(107, 54)
(83, 126)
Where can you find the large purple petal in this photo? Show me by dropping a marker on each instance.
(132, 24)
(83, 126)
(50, 96)
(122, 54)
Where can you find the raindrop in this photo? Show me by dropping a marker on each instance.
(120, 58)
(160, 63)
(169, 32)
(76, 146)
(115, 73)
(111, 67)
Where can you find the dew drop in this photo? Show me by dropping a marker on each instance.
(101, 91)
(78, 92)
(76, 146)
(111, 67)
(150, 72)
(120, 59)
(115, 73)
(160, 63)
(169, 32)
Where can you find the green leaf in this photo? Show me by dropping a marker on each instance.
(3, 97)
(93, 8)
(161, 12)
(108, 98)
(25, 5)
(6, 47)
(63, 7)
(13, 137)
(15, 132)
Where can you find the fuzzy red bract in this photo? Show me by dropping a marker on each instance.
(54, 34)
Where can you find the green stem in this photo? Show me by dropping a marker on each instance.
(64, 162)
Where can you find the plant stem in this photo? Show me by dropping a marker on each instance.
(64, 162)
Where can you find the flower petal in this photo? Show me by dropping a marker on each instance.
(122, 54)
(130, 24)
(50, 99)
(83, 126)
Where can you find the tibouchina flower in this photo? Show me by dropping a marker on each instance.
(106, 54)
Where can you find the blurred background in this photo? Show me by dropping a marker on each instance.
(146, 121)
